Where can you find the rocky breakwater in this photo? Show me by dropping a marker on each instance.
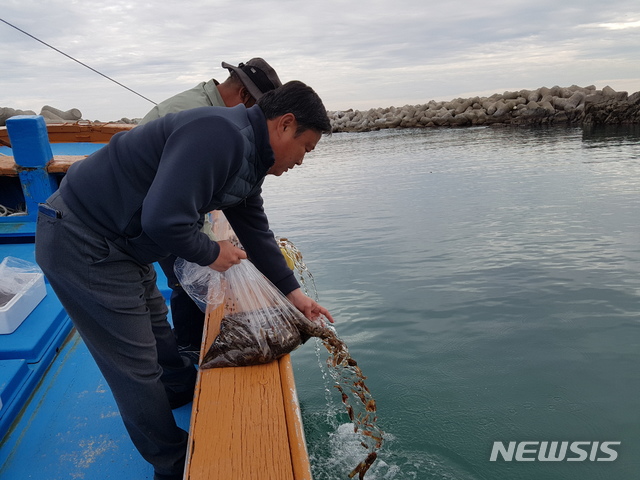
(55, 115)
(545, 106)
(50, 114)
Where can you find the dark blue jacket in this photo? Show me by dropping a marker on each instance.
(148, 188)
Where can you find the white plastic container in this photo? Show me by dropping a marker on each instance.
(14, 312)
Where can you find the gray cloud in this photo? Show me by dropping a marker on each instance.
(356, 54)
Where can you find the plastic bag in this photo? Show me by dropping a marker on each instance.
(259, 325)
(14, 275)
(202, 283)
(216, 227)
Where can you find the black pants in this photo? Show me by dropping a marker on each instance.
(121, 315)
(188, 319)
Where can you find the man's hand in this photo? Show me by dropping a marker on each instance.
(228, 257)
(308, 306)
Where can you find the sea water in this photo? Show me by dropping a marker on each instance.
(487, 280)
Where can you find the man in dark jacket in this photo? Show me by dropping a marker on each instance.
(140, 199)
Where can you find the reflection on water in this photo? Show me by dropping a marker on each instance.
(487, 280)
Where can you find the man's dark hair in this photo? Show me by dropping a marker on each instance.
(299, 99)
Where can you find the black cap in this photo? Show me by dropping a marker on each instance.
(257, 76)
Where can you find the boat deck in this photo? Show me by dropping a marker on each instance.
(70, 426)
(72, 429)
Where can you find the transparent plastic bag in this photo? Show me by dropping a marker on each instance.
(14, 275)
(203, 284)
(216, 227)
(259, 324)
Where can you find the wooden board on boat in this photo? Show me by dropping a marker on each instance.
(245, 421)
(77, 132)
(59, 164)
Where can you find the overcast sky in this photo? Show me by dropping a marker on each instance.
(355, 53)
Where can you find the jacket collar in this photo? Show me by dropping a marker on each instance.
(263, 146)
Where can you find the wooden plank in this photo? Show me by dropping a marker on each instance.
(8, 166)
(85, 132)
(295, 428)
(59, 164)
(76, 132)
(245, 421)
(240, 428)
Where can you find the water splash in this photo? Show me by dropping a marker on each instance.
(293, 256)
(344, 370)
(360, 404)
(341, 449)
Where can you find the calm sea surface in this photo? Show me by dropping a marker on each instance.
(487, 281)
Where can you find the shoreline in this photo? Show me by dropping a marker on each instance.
(574, 105)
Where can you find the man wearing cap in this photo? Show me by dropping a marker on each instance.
(246, 84)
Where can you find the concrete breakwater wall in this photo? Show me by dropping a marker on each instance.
(545, 106)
